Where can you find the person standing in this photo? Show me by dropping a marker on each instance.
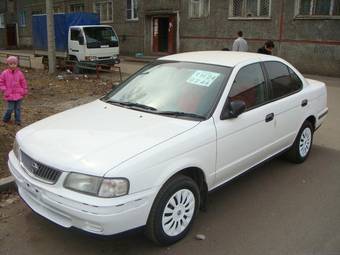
(267, 48)
(14, 86)
(240, 44)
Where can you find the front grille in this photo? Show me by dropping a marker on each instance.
(104, 57)
(38, 170)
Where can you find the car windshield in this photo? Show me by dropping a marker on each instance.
(178, 89)
(97, 37)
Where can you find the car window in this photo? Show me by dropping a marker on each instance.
(283, 80)
(75, 34)
(249, 86)
(175, 86)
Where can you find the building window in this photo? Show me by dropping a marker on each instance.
(37, 12)
(2, 20)
(132, 9)
(22, 19)
(77, 7)
(318, 7)
(105, 10)
(250, 8)
(199, 8)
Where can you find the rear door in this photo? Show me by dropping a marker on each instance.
(287, 104)
(244, 141)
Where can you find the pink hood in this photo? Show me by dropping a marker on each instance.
(13, 84)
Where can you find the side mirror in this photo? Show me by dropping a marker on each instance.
(233, 109)
(81, 40)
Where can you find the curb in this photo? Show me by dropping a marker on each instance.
(7, 183)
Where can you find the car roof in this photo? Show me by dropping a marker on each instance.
(224, 58)
(90, 26)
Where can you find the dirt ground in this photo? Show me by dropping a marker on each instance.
(49, 94)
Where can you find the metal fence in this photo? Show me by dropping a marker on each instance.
(250, 8)
(23, 61)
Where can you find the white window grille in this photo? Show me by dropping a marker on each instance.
(22, 19)
(318, 7)
(57, 9)
(199, 8)
(132, 9)
(77, 7)
(250, 8)
(2, 20)
(105, 10)
(36, 12)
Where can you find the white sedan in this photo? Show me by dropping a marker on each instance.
(148, 153)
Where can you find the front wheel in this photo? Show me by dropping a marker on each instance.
(173, 211)
(301, 148)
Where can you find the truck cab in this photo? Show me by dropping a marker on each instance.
(94, 43)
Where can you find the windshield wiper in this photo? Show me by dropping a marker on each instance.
(132, 105)
(181, 114)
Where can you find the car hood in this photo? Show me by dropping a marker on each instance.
(96, 137)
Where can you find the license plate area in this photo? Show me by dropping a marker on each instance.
(31, 189)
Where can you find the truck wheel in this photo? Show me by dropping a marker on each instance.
(173, 211)
(301, 148)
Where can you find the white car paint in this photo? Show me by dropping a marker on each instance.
(106, 140)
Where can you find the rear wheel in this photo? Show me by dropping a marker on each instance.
(301, 148)
(173, 211)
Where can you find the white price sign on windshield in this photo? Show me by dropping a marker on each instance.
(203, 78)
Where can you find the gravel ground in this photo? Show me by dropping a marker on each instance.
(49, 94)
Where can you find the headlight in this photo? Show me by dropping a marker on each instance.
(16, 149)
(97, 186)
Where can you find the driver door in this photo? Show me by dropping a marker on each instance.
(246, 140)
(74, 47)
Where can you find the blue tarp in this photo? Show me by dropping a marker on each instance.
(62, 22)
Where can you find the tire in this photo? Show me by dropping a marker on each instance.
(173, 211)
(301, 148)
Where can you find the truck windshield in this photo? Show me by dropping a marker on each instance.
(100, 37)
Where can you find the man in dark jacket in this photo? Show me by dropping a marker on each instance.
(267, 48)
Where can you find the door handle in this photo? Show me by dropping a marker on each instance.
(304, 102)
(269, 117)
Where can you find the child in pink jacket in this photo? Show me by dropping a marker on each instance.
(14, 86)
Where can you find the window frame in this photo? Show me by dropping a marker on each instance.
(2, 20)
(270, 87)
(312, 9)
(266, 87)
(22, 18)
(201, 4)
(134, 10)
(76, 5)
(232, 17)
(100, 3)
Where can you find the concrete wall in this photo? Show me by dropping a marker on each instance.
(130, 32)
(312, 44)
(296, 39)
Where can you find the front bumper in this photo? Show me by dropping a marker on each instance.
(71, 209)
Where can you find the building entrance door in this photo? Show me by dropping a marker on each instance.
(11, 35)
(163, 34)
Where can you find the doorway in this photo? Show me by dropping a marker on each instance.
(11, 35)
(163, 34)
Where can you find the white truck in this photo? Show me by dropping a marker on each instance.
(78, 37)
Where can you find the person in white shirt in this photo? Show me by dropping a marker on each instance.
(240, 44)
